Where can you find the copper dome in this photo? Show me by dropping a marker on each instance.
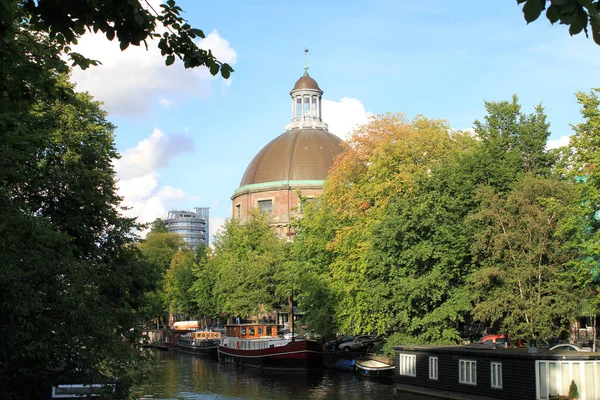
(298, 154)
(306, 82)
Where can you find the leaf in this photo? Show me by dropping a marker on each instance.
(139, 20)
(559, 2)
(198, 32)
(552, 14)
(123, 45)
(532, 9)
(110, 34)
(578, 25)
(170, 60)
(225, 73)
(214, 69)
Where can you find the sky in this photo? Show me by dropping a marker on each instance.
(186, 137)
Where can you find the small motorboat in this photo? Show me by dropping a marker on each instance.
(344, 365)
(373, 366)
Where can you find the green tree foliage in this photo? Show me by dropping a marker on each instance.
(158, 251)
(131, 22)
(521, 286)
(247, 258)
(202, 290)
(158, 226)
(179, 279)
(513, 144)
(421, 252)
(577, 14)
(71, 278)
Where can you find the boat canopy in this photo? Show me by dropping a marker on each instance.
(186, 325)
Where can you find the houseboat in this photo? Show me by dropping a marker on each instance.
(490, 372)
(203, 343)
(263, 346)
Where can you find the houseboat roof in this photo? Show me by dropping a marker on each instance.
(492, 352)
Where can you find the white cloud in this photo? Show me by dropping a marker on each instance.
(561, 141)
(215, 225)
(129, 81)
(344, 115)
(152, 153)
(139, 179)
(166, 102)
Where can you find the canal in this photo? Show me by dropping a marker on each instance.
(183, 376)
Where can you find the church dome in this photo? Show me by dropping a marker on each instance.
(306, 83)
(300, 154)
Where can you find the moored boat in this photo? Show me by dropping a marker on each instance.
(261, 346)
(203, 343)
(373, 366)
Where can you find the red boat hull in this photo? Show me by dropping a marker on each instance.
(301, 355)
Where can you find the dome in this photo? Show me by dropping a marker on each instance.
(306, 82)
(298, 154)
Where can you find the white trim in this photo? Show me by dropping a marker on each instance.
(433, 368)
(469, 376)
(407, 364)
(496, 375)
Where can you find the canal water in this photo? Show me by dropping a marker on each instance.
(183, 376)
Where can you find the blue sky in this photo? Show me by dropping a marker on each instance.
(186, 138)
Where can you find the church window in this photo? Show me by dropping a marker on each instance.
(265, 206)
(298, 106)
(306, 105)
(238, 210)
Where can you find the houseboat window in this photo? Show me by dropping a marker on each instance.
(252, 332)
(496, 375)
(408, 364)
(467, 372)
(243, 331)
(260, 330)
(433, 368)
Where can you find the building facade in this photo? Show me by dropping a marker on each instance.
(297, 161)
(191, 225)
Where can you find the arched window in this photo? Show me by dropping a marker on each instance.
(298, 106)
(306, 105)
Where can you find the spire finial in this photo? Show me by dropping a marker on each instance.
(305, 61)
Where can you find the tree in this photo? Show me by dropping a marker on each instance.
(158, 226)
(130, 22)
(577, 14)
(202, 290)
(384, 160)
(513, 144)
(247, 258)
(584, 222)
(521, 287)
(71, 277)
(179, 280)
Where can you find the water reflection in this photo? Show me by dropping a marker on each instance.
(182, 376)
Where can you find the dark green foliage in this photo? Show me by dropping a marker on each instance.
(521, 286)
(130, 22)
(573, 392)
(158, 226)
(70, 275)
(577, 14)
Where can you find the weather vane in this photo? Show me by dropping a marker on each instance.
(305, 60)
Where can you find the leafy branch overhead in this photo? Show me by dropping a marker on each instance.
(578, 14)
(131, 22)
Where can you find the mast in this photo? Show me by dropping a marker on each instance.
(292, 322)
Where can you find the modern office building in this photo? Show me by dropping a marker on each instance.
(297, 161)
(191, 225)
